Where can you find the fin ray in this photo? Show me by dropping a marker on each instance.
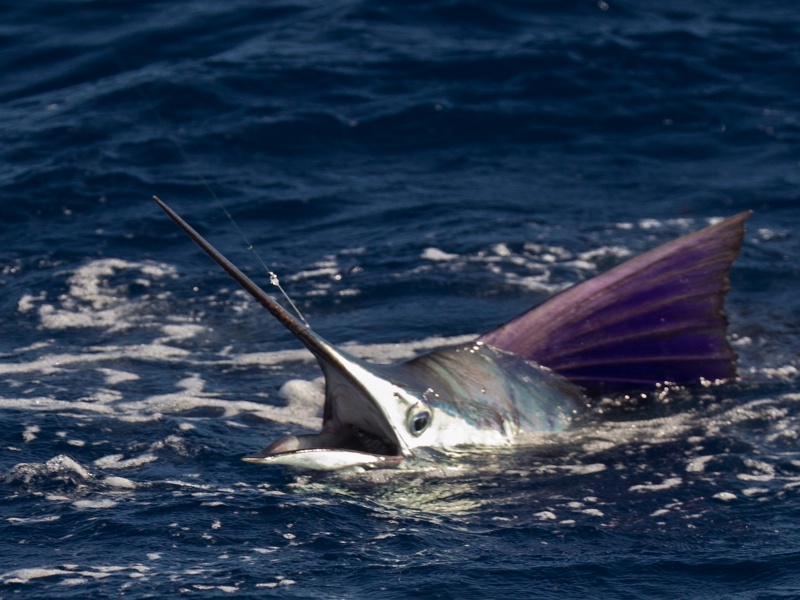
(662, 309)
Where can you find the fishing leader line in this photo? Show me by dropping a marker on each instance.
(273, 277)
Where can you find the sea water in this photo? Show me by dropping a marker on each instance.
(415, 173)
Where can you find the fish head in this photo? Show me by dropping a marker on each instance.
(370, 418)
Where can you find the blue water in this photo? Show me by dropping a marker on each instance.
(414, 172)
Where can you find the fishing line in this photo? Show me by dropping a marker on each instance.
(273, 277)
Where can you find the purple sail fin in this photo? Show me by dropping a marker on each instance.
(655, 318)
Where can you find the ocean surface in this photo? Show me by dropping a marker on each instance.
(415, 173)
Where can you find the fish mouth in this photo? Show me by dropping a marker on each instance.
(348, 446)
(356, 430)
(347, 438)
(373, 444)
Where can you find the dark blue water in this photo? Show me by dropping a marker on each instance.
(415, 172)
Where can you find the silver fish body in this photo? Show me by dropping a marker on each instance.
(468, 395)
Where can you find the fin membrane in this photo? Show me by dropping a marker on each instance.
(655, 318)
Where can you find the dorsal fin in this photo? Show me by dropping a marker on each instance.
(655, 318)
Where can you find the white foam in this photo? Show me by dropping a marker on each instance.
(725, 496)
(649, 224)
(434, 254)
(92, 301)
(751, 477)
(28, 575)
(32, 520)
(281, 581)
(119, 483)
(94, 504)
(54, 363)
(175, 332)
(302, 392)
(28, 302)
(61, 465)
(583, 469)
(328, 269)
(118, 461)
(69, 574)
(698, 464)
(589, 258)
(785, 373)
(531, 268)
(30, 433)
(667, 484)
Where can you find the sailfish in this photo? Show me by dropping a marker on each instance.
(653, 319)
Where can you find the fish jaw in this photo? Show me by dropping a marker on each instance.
(361, 427)
(318, 452)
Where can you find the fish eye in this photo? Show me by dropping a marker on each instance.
(418, 419)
